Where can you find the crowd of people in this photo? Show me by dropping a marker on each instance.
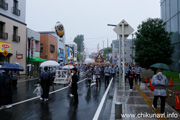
(93, 74)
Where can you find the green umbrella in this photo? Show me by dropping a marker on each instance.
(160, 66)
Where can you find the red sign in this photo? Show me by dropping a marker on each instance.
(5, 46)
(115, 56)
(19, 56)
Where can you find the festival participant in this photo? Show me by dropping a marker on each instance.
(107, 74)
(160, 81)
(117, 70)
(97, 74)
(126, 71)
(138, 72)
(89, 76)
(74, 85)
(131, 77)
(112, 71)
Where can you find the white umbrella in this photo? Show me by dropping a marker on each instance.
(28, 65)
(49, 63)
(68, 66)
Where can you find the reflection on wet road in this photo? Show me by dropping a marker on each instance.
(60, 105)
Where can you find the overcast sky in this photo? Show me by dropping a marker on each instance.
(89, 17)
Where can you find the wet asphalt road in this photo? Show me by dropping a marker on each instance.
(60, 105)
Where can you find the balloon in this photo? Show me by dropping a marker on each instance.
(59, 29)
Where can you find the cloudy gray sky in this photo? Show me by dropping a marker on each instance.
(89, 17)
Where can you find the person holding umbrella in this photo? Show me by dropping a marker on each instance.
(5, 90)
(160, 81)
(14, 76)
(45, 81)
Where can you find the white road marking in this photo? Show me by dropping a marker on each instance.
(17, 103)
(98, 111)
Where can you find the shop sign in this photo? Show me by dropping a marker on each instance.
(19, 56)
(5, 47)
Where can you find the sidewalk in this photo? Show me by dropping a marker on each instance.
(138, 103)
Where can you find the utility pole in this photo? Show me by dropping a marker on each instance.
(132, 48)
(103, 47)
(98, 47)
(107, 43)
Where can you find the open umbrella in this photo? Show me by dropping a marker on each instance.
(49, 63)
(68, 66)
(12, 66)
(160, 66)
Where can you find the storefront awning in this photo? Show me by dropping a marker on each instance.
(36, 59)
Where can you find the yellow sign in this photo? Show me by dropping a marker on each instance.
(5, 47)
(5, 53)
(66, 56)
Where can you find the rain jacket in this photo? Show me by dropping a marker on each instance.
(160, 81)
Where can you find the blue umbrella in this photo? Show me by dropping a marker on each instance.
(12, 66)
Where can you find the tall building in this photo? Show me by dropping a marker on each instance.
(129, 51)
(170, 13)
(13, 31)
(60, 46)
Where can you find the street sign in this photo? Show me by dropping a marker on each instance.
(5, 53)
(127, 29)
(123, 29)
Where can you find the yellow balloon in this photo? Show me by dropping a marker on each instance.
(59, 28)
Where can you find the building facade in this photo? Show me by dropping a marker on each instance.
(33, 49)
(60, 46)
(13, 31)
(73, 51)
(129, 51)
(48, 46)
(170, 13)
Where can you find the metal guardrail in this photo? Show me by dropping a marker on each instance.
(4, 36)
(16, 11)
(3, 5)
(16, 38)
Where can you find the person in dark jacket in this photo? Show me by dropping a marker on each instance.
(131, 77)
(74, 85)
(45, 81)
(5, 90)
(14, 76)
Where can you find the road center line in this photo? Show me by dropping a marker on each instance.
(98, 111)
(17, 103)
